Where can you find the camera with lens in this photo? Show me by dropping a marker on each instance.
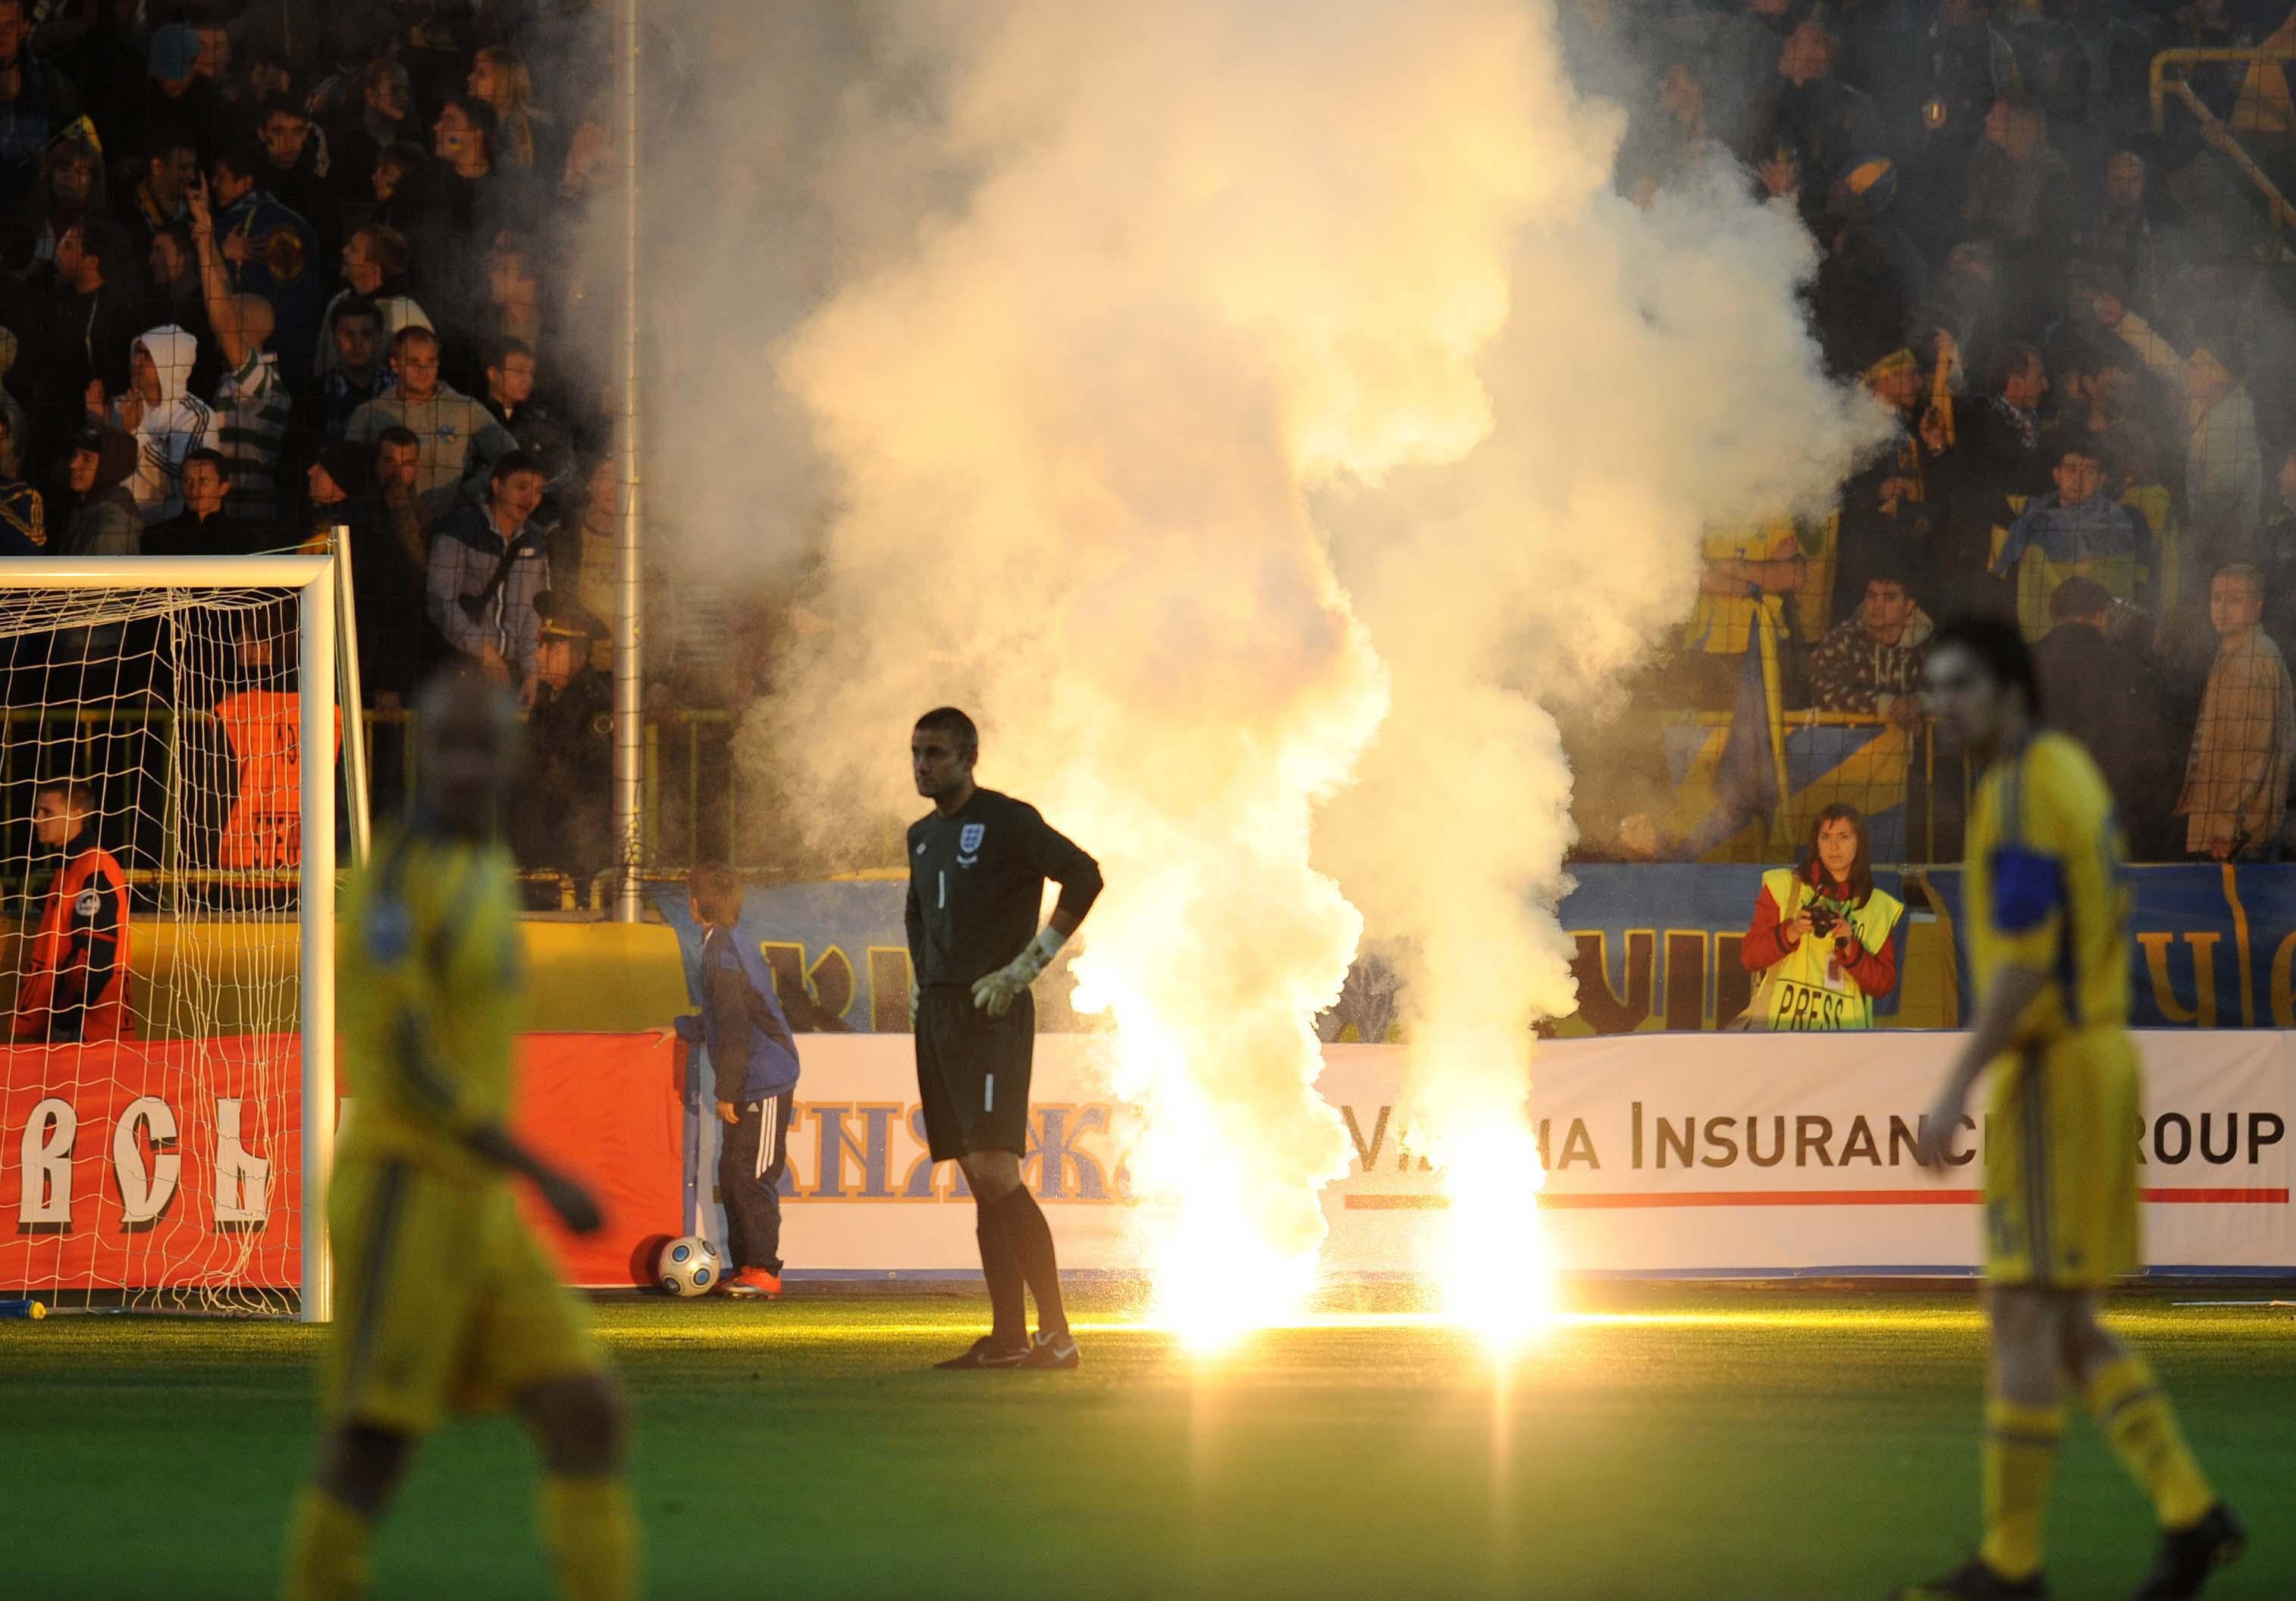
(1822, 919)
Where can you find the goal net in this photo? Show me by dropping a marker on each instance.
(166, 854)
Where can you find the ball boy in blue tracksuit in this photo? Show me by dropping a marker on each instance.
(754, 1056)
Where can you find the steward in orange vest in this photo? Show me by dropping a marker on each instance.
(75, 986)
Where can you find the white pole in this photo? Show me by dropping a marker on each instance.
(629, 690)
(347, 666)
(317, 916)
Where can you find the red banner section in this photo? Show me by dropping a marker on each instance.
(605, 1107)
(133, 1165)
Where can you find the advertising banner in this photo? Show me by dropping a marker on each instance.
(126, 1164)
(1736, 1153)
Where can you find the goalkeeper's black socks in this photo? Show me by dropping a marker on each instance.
(1009, 1328)
(1031, 1239)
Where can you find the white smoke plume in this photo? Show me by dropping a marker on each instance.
(1653, 378)
(1231, 404)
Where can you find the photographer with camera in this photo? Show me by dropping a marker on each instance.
(1821, 939)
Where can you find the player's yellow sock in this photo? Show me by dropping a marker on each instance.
(2125, 1397)
(2021, 1458)
(328, 1547)
(592, 1535)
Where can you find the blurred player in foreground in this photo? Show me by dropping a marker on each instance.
(978, 862)
(2048, 940)
(444, 1298)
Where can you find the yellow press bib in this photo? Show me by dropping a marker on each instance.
(1807, 988)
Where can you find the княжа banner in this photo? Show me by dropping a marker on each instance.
(1669, 1153)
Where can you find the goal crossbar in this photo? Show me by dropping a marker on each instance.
(312, 580)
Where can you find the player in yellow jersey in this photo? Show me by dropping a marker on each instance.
(2047, 914)
(444, 1298)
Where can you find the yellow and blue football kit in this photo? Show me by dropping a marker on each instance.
(2046, 892)
(444, 1297)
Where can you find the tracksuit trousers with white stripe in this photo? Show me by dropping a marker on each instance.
(754, 1151)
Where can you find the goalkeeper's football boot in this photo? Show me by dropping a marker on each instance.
(986, 1353)
(1057, 1351)
(754, 1284)
(1975, 1582)
(2189, 1556)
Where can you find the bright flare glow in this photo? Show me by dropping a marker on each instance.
(1199, 393)
(1497, 1275)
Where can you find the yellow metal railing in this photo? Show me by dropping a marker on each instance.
(2259, 111)
(1921, 774)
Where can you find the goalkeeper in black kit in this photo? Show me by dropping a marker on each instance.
(978, 864)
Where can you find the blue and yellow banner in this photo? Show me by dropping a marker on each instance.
(1657, 948)
(2212, 946)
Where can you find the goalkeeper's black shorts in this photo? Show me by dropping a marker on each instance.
(973, 1073)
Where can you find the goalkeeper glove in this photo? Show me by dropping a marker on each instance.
(996, 993)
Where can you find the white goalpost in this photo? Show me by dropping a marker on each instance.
(170, 860)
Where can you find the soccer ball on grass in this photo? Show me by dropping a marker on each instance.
(689, 1265)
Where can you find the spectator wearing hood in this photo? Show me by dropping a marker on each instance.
(270, 251)
(460, 437)
(104, 519)
(34, 102)
(167, 421)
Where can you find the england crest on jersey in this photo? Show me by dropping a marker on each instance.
(969, 836)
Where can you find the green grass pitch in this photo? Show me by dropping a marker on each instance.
(1667, 1442)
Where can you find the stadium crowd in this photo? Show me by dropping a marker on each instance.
(272, 266)
(2081, 327)
(269, 266)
